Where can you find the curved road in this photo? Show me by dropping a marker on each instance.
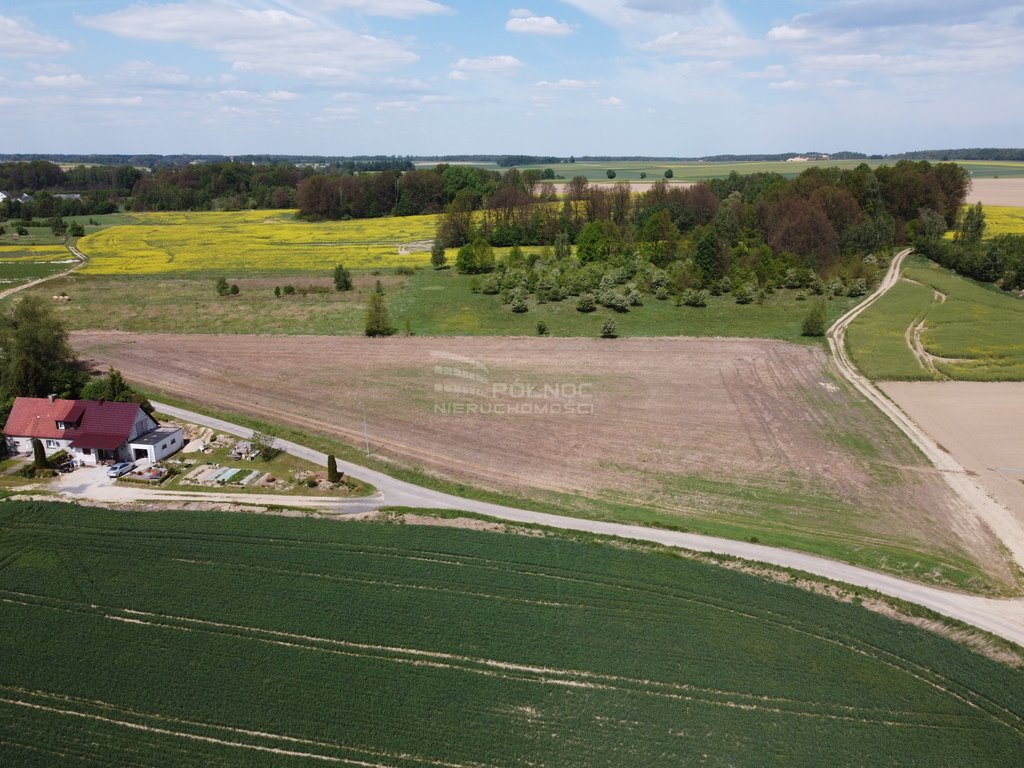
(1002, 617)
(74, 252)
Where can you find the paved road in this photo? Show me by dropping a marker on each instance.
(74, 252)
(1001, 617)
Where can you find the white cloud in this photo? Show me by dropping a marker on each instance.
(525, 22)
(788, 85)
(61, 81)
(396, 106)
(715, 42)
(283, 96)
(565, 84)
(489, 64)
(115, 101)
(397, 9)
(21, 40)
(840, 83)
(611, 101)
(148, 73)
(261, 41)
(786, 33)
(773, 71)
(336, 114)
(456, 74)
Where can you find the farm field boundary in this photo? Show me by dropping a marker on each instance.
(448, 633)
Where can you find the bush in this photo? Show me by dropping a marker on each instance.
(289, 290)
(857, 287)
(661, 293)
(746, 293)
(490, 285)
(277, 291)
(814, 320)
(586, 303)
(693, 297)
(608, 329)
(634, 299)
(519, 305)
(542, 328)
(342, 279)
(234, 289)
(669, 174)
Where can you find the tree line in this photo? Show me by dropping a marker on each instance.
(998, 260)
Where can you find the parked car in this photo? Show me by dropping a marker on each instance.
(121, 469)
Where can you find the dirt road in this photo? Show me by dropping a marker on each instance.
(74, 252)
(1004, 618)
(976, 503)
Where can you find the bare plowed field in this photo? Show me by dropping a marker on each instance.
(997, 192)
(980, 423)
(728, 436)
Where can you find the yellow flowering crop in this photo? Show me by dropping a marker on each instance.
(234, 243)
(34, 253)
(1003, 220)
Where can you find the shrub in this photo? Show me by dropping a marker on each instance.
(693, 297)
(490, 285)
(333, 476)
(661, 292)
(586, 303)
(289, 290)
(634, 299)
(669, 174)
(223, 289)
(38, 454)
(342, 279)
(519, 304)
(814, 320)
(746, 293)
(277, 291)
(857, 287)
(234, 289)
(608, 329)
(542, 328)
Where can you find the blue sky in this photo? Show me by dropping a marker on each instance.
(617, 77)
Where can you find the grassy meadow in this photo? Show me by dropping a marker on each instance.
(225, 639)
(427, 303)
(976, 333)
(22, 263)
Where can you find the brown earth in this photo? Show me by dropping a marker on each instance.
(979, 423)
(997, 192)
(736, 433)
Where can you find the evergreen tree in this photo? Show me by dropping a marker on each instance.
(342, 279)
(814, 321)
(438, 258)
(378, 320)
(38, 454)
(333, 476)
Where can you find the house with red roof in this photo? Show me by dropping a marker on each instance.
(91, 431)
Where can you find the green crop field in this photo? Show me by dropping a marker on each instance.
(652, 170)
(975, 334)
(224, 639)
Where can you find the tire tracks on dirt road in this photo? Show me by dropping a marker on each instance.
(974, 499)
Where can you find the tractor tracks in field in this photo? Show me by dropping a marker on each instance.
(82, 260)
(974, 500)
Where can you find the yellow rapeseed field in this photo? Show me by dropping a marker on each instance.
(1003, 220)
(33, 253)
(239, 242)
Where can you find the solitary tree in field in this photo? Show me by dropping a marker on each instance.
(608, 329)
(814, 321)
(342, 279)
(610, 174)
(378, 321)
(438, 258)
(669, 174)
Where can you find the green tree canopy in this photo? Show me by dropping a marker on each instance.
(36, 359)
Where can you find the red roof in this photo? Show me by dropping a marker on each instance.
(103, 424)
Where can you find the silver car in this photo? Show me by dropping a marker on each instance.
(121, 469)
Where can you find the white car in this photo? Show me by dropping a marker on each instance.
(121, 469)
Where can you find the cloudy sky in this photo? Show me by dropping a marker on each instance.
(646, 77)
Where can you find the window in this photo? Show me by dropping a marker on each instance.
(87, 451)
(162, 446)
(52, 444)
